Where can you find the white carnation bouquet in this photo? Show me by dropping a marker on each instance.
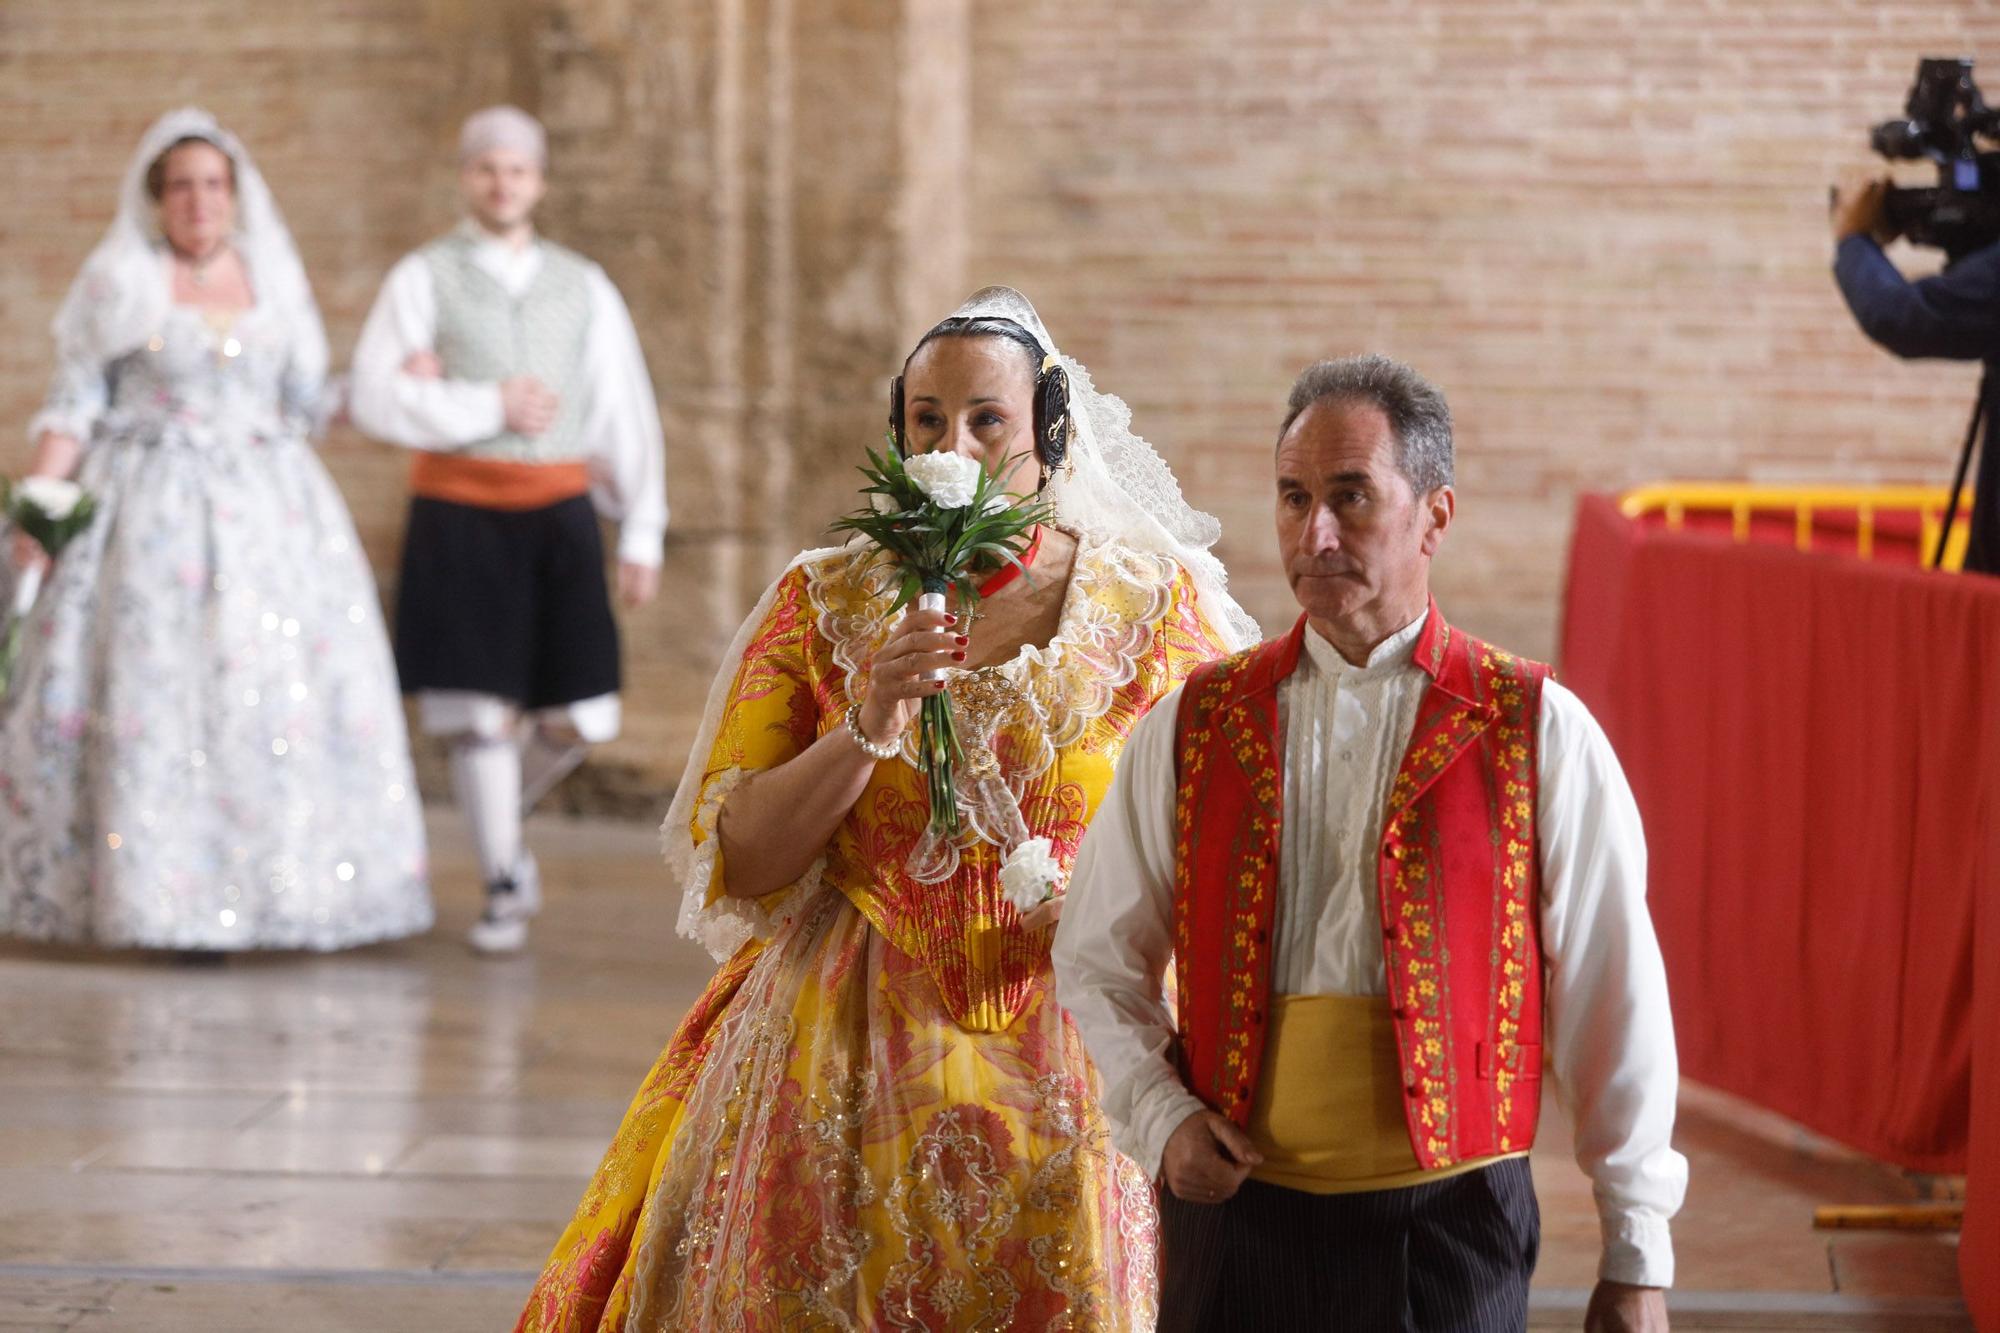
(1031, 874)
(942, 520)
(52, 511)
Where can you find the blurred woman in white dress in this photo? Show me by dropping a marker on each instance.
(202, 747)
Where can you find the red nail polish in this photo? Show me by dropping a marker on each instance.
(962, 641)
(958, 657)
(950, 619)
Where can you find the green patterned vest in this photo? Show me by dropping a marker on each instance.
(484, 334)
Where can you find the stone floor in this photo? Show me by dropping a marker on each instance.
(390, 1139)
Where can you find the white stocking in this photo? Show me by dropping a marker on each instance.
(487, 774)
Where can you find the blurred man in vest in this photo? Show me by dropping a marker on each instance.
(1390, 866)
(510, 366)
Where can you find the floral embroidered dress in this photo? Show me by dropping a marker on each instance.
(877, 1117)
(203, 746)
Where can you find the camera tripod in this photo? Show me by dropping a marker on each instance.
(1964, 462)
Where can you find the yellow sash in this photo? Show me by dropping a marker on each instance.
(1328, 1115)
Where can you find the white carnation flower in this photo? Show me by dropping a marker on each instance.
(948, 479)
(1030, 874)
(52, 496)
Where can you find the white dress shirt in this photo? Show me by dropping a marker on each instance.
(1609, 1031)
(621, 419)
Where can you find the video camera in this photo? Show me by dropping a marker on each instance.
(1961, 213)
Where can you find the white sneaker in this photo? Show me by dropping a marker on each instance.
(498, 935)
(503, 927)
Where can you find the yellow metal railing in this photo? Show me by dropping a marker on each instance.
(1675, 500)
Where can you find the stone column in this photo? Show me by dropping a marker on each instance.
(779, 189)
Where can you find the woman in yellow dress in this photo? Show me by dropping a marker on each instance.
(876, 1116)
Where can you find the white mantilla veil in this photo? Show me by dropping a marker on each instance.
(120, 298)
(1118, 489)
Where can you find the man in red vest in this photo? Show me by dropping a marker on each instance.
(1391, 868)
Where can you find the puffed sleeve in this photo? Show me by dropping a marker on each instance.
(77, 397)
(772, 715)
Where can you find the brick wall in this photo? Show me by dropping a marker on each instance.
(1600, 226)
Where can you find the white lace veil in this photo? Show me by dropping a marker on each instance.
(1118, 489)
(119, 299)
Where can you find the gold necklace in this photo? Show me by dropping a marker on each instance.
(198, 268)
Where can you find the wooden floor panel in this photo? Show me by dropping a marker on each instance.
(390, 1139)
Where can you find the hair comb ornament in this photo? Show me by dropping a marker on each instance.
(1053, 428)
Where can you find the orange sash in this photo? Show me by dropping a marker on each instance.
(495, 483)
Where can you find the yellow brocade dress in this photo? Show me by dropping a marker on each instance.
(877, 1116)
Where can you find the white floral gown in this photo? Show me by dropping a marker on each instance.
(203, 746)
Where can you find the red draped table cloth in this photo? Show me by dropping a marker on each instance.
(1814, 742)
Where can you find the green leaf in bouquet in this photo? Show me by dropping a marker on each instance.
(912, 588)
(51, 534)
(935, 549)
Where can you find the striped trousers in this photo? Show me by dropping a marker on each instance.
(1452, 1256)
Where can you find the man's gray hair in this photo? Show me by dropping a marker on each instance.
(1418, 416)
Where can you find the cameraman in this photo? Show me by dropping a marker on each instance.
(1955, 314)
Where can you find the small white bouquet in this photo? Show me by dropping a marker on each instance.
(1030, 875)
(943, 521)
(52, 511)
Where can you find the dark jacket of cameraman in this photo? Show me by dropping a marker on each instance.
(1955, 314)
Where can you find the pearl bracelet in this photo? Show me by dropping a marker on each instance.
(868, 747)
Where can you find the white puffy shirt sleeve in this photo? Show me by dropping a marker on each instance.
(78, 396)
(435, 414)
(622, 423)
(1609, 1028)
(1115, 940)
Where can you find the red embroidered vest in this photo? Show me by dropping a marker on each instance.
(1458, 881)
